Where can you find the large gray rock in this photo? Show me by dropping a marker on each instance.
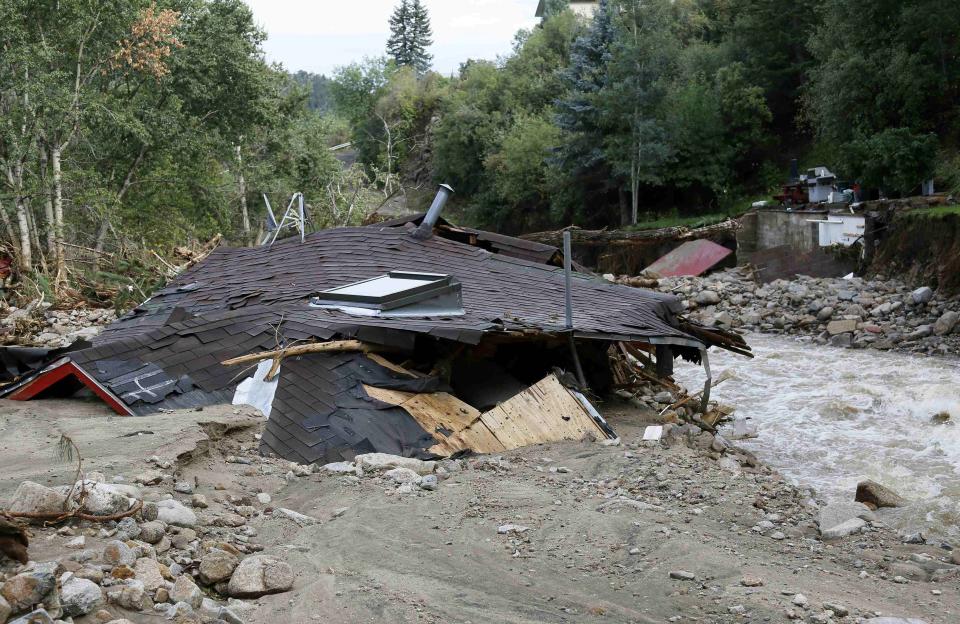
(707, 297)
(841, 327)
(185, 590)
(922, 295)
(836, 514)
(102, 499)
(148, 572)
(217, 565)
(843, 529)
(176, 513)
(260, 575)
(131, 595)
(872, 493)
(383, 461)
(80, 596)
(30, 588)
(5, 609)
(32, 497)
(152, 532)
(40, 616)
(117, 553)
(946, 323)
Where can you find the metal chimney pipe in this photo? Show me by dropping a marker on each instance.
(425, 230)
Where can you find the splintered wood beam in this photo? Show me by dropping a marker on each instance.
(335, 346)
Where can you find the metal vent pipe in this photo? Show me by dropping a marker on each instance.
(433, 215)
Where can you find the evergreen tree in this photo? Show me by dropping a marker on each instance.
(410, 35)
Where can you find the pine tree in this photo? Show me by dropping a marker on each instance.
(410, 35)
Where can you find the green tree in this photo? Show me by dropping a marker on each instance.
(410, 36)
(886, 71)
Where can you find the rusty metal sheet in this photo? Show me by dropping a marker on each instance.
(691, 258)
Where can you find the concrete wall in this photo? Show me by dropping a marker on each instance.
(782, 244)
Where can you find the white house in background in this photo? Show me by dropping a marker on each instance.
(583, 8)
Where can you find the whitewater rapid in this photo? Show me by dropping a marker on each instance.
(829, 417)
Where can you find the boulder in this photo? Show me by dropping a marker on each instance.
(5, 609)
(30, 588)
(843, 529)
(117, 553)
(103, 499)
(217, 565)
(841, 327)
(402, 475)
(824, 314)
(946, 323)
(923, 294)
(148, 572)
(836, 514)
(152, 532)
(130, 595)
(260, 575)
(384, 461)
(80, 596)
(40, 616)
(707, 297)
(128, 529)
(176, 513)
(185, 590)
(32, 497)
(876, 495)
(294, 516)
(340, 468)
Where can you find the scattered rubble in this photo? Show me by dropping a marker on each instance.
(874, 313)
(39, 325)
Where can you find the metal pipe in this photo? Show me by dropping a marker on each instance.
(708, 383)
(568, 277)
(568, 304)
(425, 230)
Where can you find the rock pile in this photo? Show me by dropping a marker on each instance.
(166, 559)
(857, 313)
(39, 325)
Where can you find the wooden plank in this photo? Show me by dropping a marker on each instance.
(384, 362)
(545, 412)
(439, 410)
(393, 397)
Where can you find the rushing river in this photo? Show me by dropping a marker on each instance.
(829, 417)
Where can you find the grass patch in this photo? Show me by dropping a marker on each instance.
(935, 212)
(677, 221)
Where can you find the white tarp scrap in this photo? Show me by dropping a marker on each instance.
(256, 392)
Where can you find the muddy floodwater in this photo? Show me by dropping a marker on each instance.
(829, 417)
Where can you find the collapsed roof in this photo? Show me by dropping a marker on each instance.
(168, 352)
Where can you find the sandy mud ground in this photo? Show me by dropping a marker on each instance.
(569, 532)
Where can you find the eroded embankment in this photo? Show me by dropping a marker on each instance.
(922, 250)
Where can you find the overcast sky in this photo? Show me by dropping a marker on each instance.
(319, 35)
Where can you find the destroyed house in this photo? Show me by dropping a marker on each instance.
(389, 338)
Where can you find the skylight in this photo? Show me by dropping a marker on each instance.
(398, 293)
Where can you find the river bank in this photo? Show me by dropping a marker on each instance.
(689, 529)
(885, 314)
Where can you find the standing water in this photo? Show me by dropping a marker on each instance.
(829, 417)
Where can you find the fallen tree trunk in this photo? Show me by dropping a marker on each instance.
(335, 346)
(629, 237)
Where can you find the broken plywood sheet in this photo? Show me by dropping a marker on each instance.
(544, 412)
(448, 419)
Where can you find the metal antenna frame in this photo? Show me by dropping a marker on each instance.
(293, 217)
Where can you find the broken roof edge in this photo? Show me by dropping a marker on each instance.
(42, 379)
